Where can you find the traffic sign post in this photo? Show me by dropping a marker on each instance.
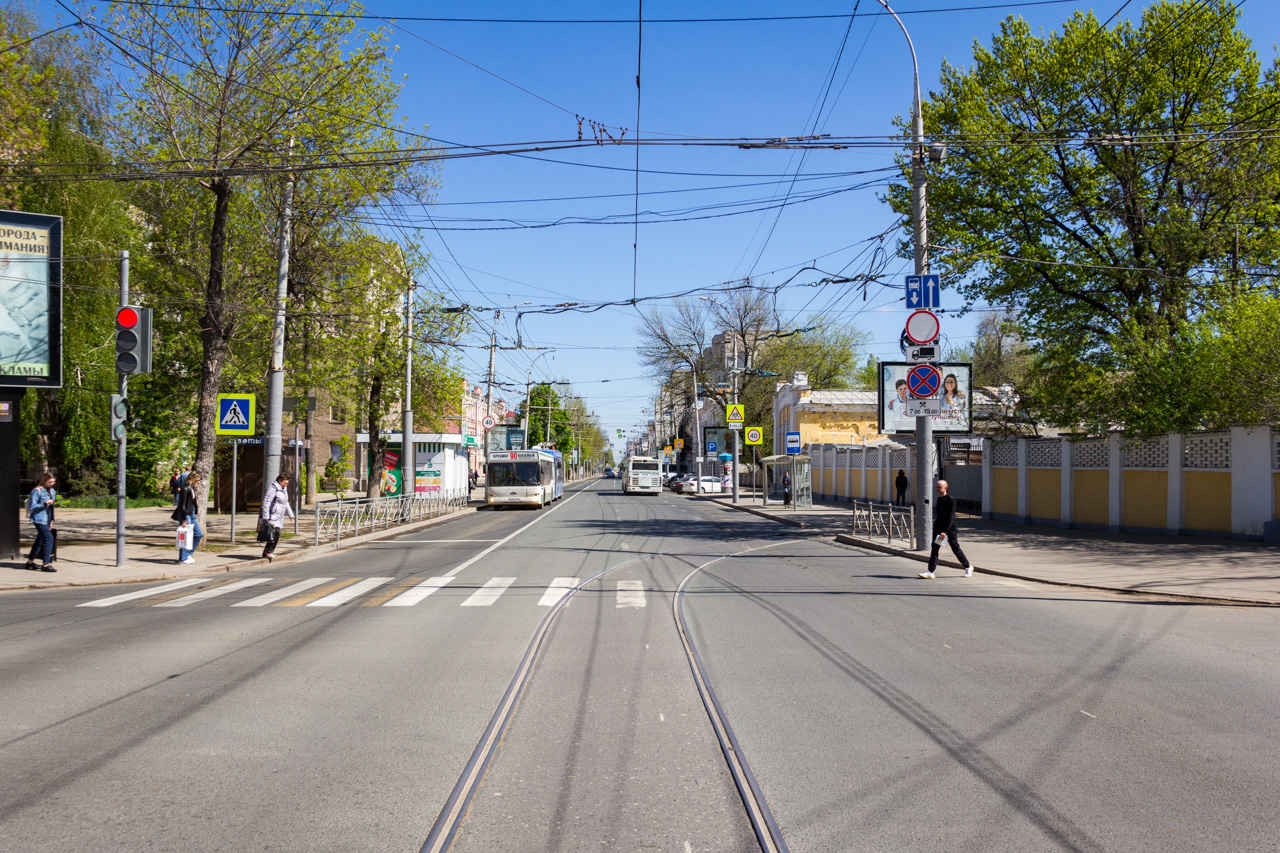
(735, 415)
(753, 435)
(489, 422)
(924, 381)
(923, 327)
(793, 442)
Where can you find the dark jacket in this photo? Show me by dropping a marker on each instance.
(945, 520)
(902, 482)
(186, 501)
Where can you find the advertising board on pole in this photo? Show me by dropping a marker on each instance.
(30, 300)
(898, 408)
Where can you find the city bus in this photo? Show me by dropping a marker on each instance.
(641, 475)
(523, 477)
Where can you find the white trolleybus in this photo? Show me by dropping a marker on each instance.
(641, 475)
(524, 477)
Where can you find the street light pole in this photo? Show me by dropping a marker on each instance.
(920, 251)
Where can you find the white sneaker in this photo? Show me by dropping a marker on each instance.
(189, 560)
(926, 575)
(968, 571)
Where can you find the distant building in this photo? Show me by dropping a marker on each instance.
(822, 417)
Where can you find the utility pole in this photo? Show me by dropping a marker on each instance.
(736, 432)
(409, 481)
(275, 375)
(121, 444)
(493, 346)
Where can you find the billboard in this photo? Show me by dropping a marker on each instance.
(30, 300)
(897, 407)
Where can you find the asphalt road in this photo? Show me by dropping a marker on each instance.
(310, 710)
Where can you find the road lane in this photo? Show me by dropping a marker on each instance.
(881, 712)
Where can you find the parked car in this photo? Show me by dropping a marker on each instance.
(709, 485)
(684, 484)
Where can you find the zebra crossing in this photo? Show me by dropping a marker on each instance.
(368, 591)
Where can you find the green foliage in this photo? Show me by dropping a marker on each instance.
(1089, 187)
(338, 469)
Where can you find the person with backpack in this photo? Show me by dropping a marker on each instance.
(40, 510)
(275, 506)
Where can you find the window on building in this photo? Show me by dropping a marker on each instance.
(337, 415)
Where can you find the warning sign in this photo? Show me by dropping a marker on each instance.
(734, 414)
(235, 414)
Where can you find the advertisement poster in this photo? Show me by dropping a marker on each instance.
(953, 401)
(30, 300)
(430, 474)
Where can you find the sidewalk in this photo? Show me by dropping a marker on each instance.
(1190, 566)
(87, 546)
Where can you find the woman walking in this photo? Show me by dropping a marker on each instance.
(40, 511)
(187, 514)
(275, 506)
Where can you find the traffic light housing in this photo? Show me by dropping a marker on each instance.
(119, 416)
(133, 340)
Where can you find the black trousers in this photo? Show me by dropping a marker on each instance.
(954, 542)
(269, 547)
(901, 498)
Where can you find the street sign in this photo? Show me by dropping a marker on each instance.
(922, 408)
(667, 450)
(923, 327)
(679, 444)
(754, 435)
(923, 353)
(711, 447)
(923, 380)
(734, 413)
(235, 414)
(489, 422)
(922, 292)
(793, 442)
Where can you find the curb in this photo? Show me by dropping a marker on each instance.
(740, 508)
(845, 539)
(307, 552)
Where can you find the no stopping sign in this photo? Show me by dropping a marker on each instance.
(923, 381)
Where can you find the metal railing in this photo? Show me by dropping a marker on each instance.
(873, 520)
(354, 516)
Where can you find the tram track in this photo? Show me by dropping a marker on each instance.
(445, 829)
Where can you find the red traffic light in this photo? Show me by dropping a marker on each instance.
(127, 318)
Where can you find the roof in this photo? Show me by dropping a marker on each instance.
(838, 399)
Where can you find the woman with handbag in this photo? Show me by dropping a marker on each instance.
(40, 511)
(275, 506)
(187, 515)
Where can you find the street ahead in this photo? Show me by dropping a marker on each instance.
(334, 704)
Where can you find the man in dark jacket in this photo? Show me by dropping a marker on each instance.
(944, 530)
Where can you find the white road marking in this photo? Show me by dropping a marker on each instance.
(212, 593)
(433, 541)
(143, 593)
(1087, 714)
(284, 592)
(630, 594)
(662, 718)
(543, 514)
(625, 547)
(489, 593)
(346, 594)
(558, 589)
(419, 592)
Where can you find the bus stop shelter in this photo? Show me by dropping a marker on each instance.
(788, 480)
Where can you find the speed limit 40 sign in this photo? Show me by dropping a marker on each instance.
(754, 435)
(489, 421)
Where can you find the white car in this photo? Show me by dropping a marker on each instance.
(709, 485)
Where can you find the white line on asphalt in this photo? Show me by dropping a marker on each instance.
(143, 593)
(630, 594)
(284, 592)
(500, 542)
(419, 592)
(346, 594)
(1087, 714)
(433, 541)
(211, 593)
(489, 593)
(558, 589)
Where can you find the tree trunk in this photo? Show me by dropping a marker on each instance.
(215, 334)
(377, 447)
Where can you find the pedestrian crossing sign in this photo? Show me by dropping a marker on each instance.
(733, 414)
(235, 414)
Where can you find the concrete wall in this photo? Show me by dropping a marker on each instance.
(1208, 501)
(1090, 505)
(1146, 499)
(1045, 498)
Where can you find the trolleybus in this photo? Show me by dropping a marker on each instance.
(641, 475)
(524, 477)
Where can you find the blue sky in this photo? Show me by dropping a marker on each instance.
(485, 83)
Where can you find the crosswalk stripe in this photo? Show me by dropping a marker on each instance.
(142, 593)
(558, 589)
(419, 592)
(342, 596)
(206, 594)
(489, 593)
(630, 594)
(284, 592)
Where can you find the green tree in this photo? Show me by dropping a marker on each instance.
(1110, 185)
